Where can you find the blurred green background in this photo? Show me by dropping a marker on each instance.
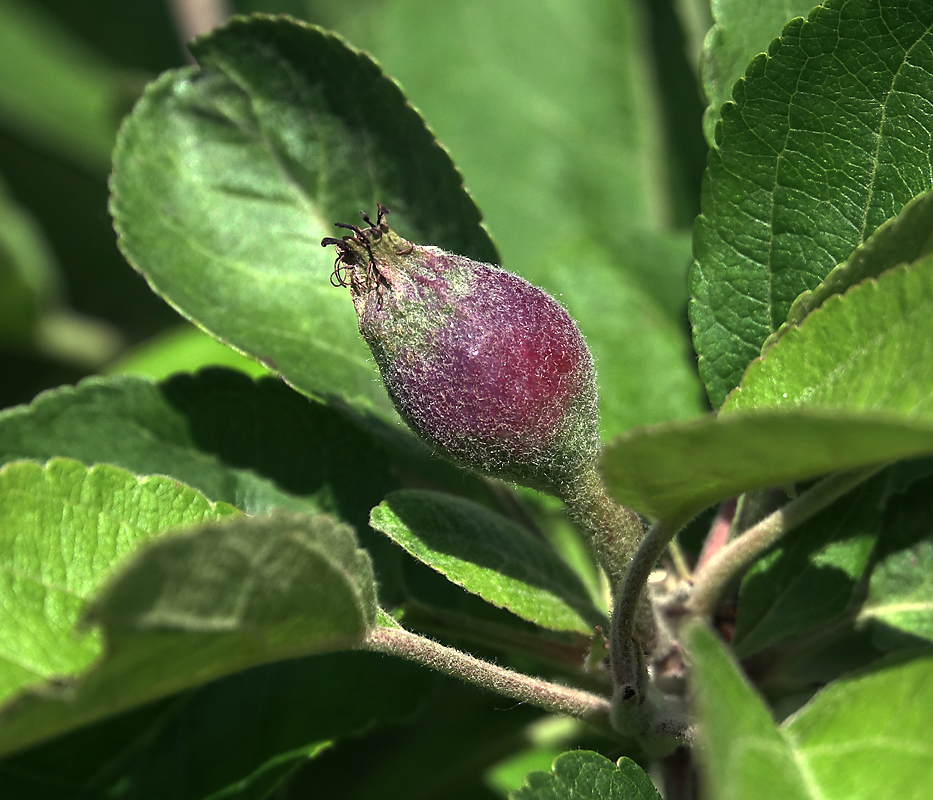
(577, 126)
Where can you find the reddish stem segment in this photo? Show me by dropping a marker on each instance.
(719, 531)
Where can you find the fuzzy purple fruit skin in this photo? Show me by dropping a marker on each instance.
(486, 368)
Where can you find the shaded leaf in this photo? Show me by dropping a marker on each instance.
(233, 736)
(696, 19)
(56, 90)
(227, 178)
(33, 316)
(900, 594)
(431, 603)
(143, 36)
(442, 751)
(256, 445)
(490, 556)
(907, 473)
(813, 576)
(585, 775)
(869, 735)
(899, 607)
(866, 349)
(683, 467)
(64, 529)
(827, 139)
(246, 574)
(547, 740)
(196, 606)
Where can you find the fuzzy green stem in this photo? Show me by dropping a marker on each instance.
(739, 554)
(659, 721)
(553, 697)
(625, 651)
(613, 530)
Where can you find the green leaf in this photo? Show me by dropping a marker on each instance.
(869, 735)
(735, 39)
(196, 606)
(585, 775)
(546, 740)
(696, 19)
(866, 735)
(63, 530)
(246, 574)
(442, 751)
(182, 349)
(826, 140)
(227, 178)
(683, 467)
(741, 748)
(813, 576)
(562, 160)
(234, 737)
(33, 317)
(489, 556)
(901, 240)
(28, 274)
(905, 475)
(56, 90)
(255, 445)
(866, 349)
